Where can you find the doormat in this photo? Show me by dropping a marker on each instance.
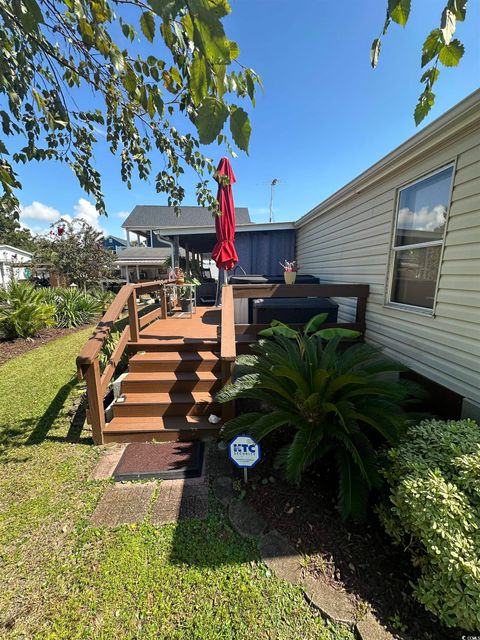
(166, 461)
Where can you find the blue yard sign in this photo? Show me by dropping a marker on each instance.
(244, 452)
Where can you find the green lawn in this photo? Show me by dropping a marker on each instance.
(62, 578)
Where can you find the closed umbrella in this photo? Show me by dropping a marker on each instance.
(224, 252)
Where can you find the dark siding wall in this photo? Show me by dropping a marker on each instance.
(259, 252)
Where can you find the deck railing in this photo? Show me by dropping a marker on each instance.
(88, 360)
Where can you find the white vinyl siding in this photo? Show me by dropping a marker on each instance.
(350, 243)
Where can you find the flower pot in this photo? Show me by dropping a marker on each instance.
(186, 305)
(290, 277)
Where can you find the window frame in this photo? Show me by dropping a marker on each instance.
(393, 250)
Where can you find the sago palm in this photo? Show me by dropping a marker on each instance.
(333, 401)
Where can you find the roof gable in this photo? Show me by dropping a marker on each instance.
(158, 217)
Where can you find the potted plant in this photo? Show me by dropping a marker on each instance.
(289, 271)
(186, 302)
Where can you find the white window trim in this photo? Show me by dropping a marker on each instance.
(400, 306)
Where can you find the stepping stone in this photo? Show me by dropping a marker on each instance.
(123, 504)
(370, 629)
(280, 557)
(332, 603)
(109, 459)
(223, 490)
(180, 500)
(245, 520)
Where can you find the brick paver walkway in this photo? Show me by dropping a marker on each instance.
(123, 504)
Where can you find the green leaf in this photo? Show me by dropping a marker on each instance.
(129, 80)
(448, 25)
(399, 10)
(337, 332)
(459, 8)
(430, 76)
(240, 424)
(147, 24)
(198, 78)
(210, 119)
(279, 330)
(431, 46)
(425, 103)
(86, 31)
(241, 128)
(375, 52)
(451, 54)
(315, 322)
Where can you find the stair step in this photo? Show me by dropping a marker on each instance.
(165, 404)
(175, 344)
(170, 381)
(174, 361)
(168, 429)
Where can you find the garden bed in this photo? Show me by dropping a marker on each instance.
(358, 559)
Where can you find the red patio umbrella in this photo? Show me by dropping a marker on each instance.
(224, 252)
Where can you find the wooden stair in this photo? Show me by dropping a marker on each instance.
(167, 394)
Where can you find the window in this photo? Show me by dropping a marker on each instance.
(418, 238)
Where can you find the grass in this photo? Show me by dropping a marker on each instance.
(63, 578)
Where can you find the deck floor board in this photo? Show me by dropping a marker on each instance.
(181, 327)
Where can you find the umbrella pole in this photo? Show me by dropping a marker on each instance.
(220, 281)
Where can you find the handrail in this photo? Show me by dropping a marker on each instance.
(94, 344)
(88, 364)
(330, 290)
(227, 344)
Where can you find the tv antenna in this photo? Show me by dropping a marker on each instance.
(273, 184)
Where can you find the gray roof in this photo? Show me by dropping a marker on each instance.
(157, 217)
(117, 239)
(146, 255)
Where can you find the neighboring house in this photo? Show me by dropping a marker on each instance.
(10, 260)
(143, 263)
(409, 226)
(260, 247)
(114, 243)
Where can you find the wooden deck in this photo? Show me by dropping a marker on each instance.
(177, 361)
(180, 328)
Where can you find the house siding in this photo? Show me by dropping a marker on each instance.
(351, 243)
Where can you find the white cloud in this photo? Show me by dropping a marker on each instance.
(123, 214)
(39, 211)
(424, 219)
(86, 211)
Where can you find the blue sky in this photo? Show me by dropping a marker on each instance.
(323, 117)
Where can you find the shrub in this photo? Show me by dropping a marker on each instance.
(24, 311)
(72, 306)
(104, 298)
(335, 403)
(434, 510)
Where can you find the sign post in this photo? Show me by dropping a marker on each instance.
(244, 452)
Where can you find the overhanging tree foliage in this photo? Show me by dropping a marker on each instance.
(60, 57)
(439, 48)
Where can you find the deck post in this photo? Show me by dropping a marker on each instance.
(95, 401)
(133, 317)
(163, 302)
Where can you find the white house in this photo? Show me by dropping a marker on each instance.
(409, 226)
(10, 259)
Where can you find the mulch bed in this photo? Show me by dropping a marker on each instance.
(13, 348)
(358, 559)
